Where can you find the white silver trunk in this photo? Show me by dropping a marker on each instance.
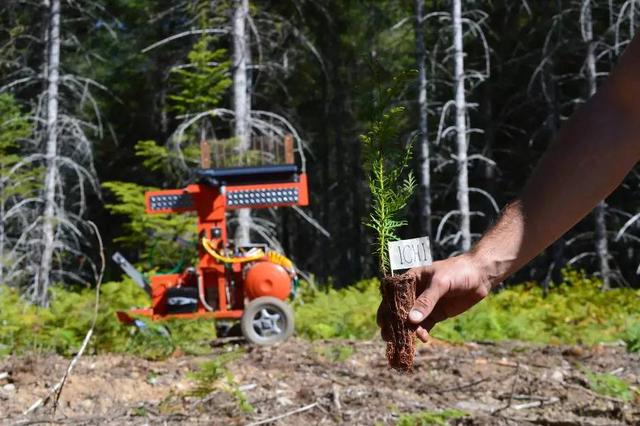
(51, 151)
(242, 102)
(461, 128)
(602, 244)
(424, 170)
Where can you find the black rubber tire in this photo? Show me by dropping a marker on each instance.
(254, 312)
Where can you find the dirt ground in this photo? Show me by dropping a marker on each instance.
(329, 382)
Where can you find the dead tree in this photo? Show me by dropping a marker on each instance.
(242, 102)
(462, 142)
(59, 145)
(424, 167)
(43, 276)
(600, 212)
(464, 80)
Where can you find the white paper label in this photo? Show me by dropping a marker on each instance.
(405, 254)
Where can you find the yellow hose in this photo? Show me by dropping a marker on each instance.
(273, 256)
(280, 259)
(206, 243)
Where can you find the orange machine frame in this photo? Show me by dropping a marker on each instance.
(211, 205)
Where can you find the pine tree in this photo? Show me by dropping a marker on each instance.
(17, 189)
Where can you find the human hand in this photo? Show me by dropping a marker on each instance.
(444, 289)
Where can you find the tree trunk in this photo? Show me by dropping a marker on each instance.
(602, 245)
(461, 129)
(205, 148)
(424, 171)
(242, 104)
(49, 216)
(632, 19)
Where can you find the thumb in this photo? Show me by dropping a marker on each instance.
(425, 303)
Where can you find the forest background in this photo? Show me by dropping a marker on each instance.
(113, 97)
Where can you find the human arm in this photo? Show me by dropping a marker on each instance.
(592, 154)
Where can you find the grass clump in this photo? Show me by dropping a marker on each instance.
(428, 418)
(213, 375)
(334, 353)
(631, 337)
(610, 385)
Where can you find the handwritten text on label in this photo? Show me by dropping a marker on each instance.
(405, 254)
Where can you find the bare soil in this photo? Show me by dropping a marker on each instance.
(331, 382)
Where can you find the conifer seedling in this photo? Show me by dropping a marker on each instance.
(391, 186)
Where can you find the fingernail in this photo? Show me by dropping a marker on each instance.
(415, 315)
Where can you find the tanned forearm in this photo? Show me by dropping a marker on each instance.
(590, 157)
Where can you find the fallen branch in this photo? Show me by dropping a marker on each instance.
(56, 391)
(535, 404)
(513, 389)
(281, 416)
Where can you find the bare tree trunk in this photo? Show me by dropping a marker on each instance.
(602, 245)
(461, 128)
(49, 216)
(242, 103)
(632, 19)
(424, 169)
(205, 148)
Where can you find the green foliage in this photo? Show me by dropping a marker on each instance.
(631, 337)
(610, 385)
(15, 184)
(158, 237)
(210, 373)
(346, 313)
(213, 375)
(427, 418)
(155, 157)
(61, 327)
(203, 83)
(334, 353)
(386, 162)
(14, 126)
(575, 311)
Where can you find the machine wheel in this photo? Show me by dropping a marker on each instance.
(267, 320)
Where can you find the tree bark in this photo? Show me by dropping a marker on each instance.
(242, 104)
(602, 245)
(632, 19)
(49, 216)
(461, 129)
(424, 170)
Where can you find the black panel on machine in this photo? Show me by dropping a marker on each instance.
(173, 201)
(280, 173)
(182, 300)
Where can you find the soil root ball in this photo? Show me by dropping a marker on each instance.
(398, 297)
